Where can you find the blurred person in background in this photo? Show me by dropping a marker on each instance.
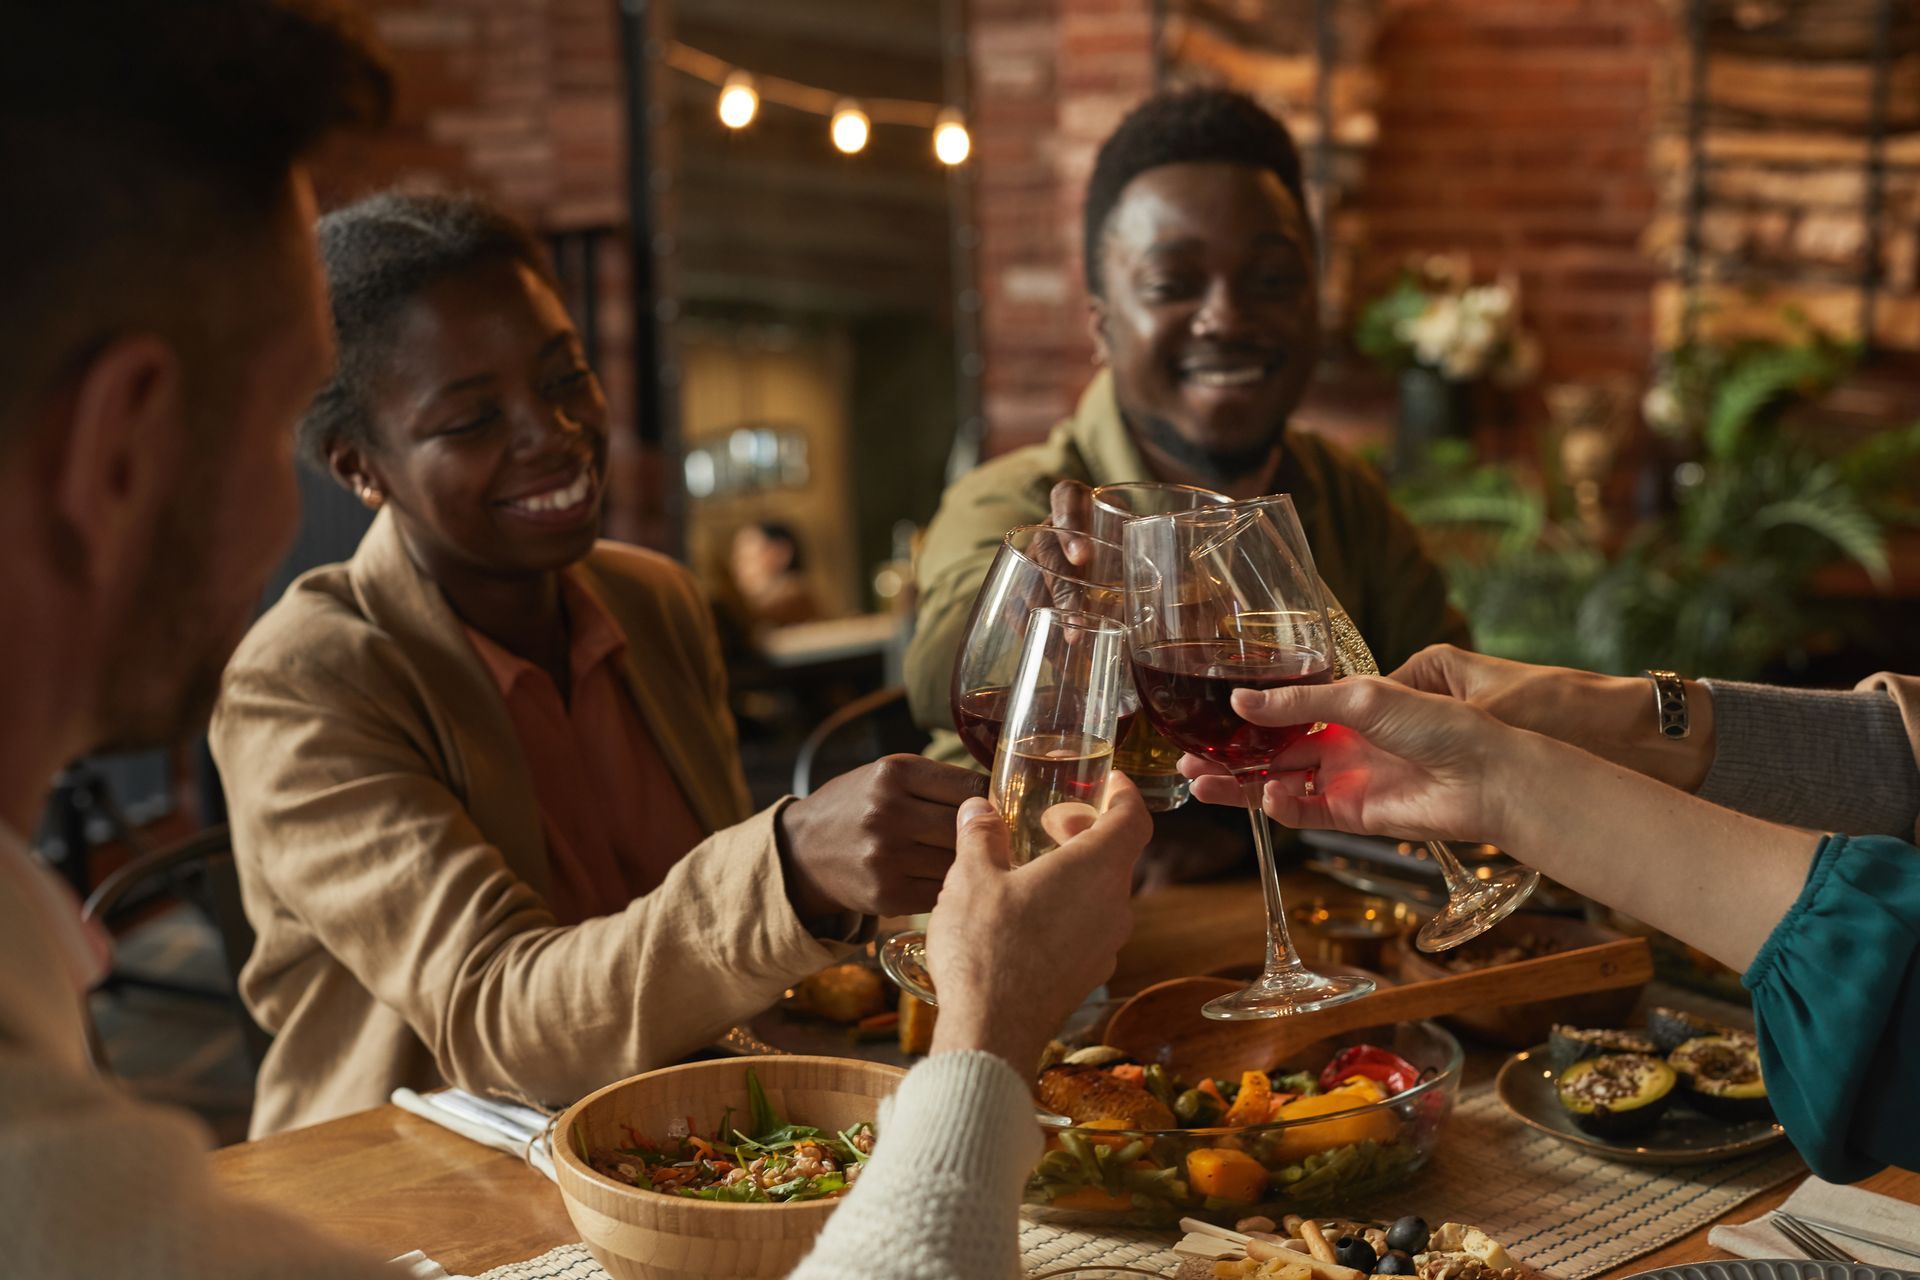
(1581, 776)
(769, 575)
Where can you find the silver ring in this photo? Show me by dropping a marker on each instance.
(1308, 787)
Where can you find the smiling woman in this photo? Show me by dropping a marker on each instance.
(482, 778)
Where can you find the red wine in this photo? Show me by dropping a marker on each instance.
(1187, 686)
(979, 716)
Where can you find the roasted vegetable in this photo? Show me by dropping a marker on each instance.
(1568, 1045)
(1720, 1077)
(1616, 1095)
(1671, 1028)
(1084, 1093)
(844, 993)
(1387, 1068)
(1198, 1109)
(1347, 1123)
(1226, 1174)
(1252, 1104)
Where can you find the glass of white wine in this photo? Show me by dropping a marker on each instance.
(1070, 703)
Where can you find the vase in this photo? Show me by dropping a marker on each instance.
(1432, 408)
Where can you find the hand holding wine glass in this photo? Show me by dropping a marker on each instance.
(1391, 762)
(1219, 598)
(1064, 715)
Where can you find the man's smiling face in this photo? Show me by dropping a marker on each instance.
(1209, 311)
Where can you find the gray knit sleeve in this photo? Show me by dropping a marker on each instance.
(1813, 758)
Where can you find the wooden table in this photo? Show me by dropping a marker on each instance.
(393, 1182)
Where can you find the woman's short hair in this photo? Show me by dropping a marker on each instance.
(379, 255)
(1183, 126)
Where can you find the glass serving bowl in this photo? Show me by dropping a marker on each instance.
(1139, 1177)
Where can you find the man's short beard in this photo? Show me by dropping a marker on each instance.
(1215, 466)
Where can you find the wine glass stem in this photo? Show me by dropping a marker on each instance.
(1281, 957)
(1458, 881)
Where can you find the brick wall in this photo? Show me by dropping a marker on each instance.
(1050, 79)
(1518, 130)
(520, 100)
(1514, 129)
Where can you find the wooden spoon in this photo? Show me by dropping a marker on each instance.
(1164, 1024)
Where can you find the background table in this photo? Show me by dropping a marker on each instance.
(393, 1182)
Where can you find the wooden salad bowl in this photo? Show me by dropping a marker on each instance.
(645, 1235)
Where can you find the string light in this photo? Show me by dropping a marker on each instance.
(850, 127)
(951, 143)
(739, 102)
(850, 124)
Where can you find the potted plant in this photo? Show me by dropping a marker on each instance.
(1442, 335)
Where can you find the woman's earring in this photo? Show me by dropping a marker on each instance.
(371, 497)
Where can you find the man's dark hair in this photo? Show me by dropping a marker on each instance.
(147, 146)
(380, 254)
(1183, 126)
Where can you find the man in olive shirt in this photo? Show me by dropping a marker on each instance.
(1199, 258)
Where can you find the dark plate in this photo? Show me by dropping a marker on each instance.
(1774, 1269)
(1682, 1136)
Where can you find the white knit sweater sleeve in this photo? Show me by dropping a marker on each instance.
(940, 1199)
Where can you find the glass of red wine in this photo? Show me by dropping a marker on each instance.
(1068, 705)
(1037, 567)
(1225, 597)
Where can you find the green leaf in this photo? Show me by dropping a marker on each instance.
(760, 1112)
(1838, 518)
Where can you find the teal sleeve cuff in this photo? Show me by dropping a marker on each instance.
(1836, 997)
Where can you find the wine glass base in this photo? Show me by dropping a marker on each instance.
(1275, 995)
(1469, 914)
(904, 958)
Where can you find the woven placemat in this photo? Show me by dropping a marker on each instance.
(1556, 1208)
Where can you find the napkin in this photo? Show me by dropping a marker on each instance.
(1823, 1202)
(418, 1266)
(491, 1122)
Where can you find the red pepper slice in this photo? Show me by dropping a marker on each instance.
(1390, 1069)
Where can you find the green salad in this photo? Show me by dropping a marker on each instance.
(771, 1162)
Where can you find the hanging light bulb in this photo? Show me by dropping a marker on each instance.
(850, 126)
(951, 143)
(739, 103)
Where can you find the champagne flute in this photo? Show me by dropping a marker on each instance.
(1031, 571)
(1146, 755)
(1065, 711)
(1473, 905)
(1219, 598)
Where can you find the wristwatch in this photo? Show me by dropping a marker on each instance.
(1669, 703)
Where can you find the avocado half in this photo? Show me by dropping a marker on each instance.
(1568, 1045)
(1720, 1077)
(1616, 1095)
(1671, 1028)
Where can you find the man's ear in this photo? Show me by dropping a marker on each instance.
(354, 472)
(1097, 329)
(120, 455)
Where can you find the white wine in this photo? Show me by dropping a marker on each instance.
(1041, 770)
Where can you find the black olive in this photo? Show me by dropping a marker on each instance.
(1398, 1262)
(1352, 1251)
(1408, 1235)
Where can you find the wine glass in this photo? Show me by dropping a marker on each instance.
(1032, 570)
(1219, 598)
(1146, 755)
(1473, 905)
(1069, 702)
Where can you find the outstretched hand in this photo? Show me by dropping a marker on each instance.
(1391, 762)
(1013, 950)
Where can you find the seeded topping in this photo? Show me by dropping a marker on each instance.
(1718, 1064)
(1609, 1040)
(1611, 1080)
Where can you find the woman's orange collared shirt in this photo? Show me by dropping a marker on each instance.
(614, 816)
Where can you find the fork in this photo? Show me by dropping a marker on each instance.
(1809, 1241)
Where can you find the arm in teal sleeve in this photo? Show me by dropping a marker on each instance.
(1836, 995)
